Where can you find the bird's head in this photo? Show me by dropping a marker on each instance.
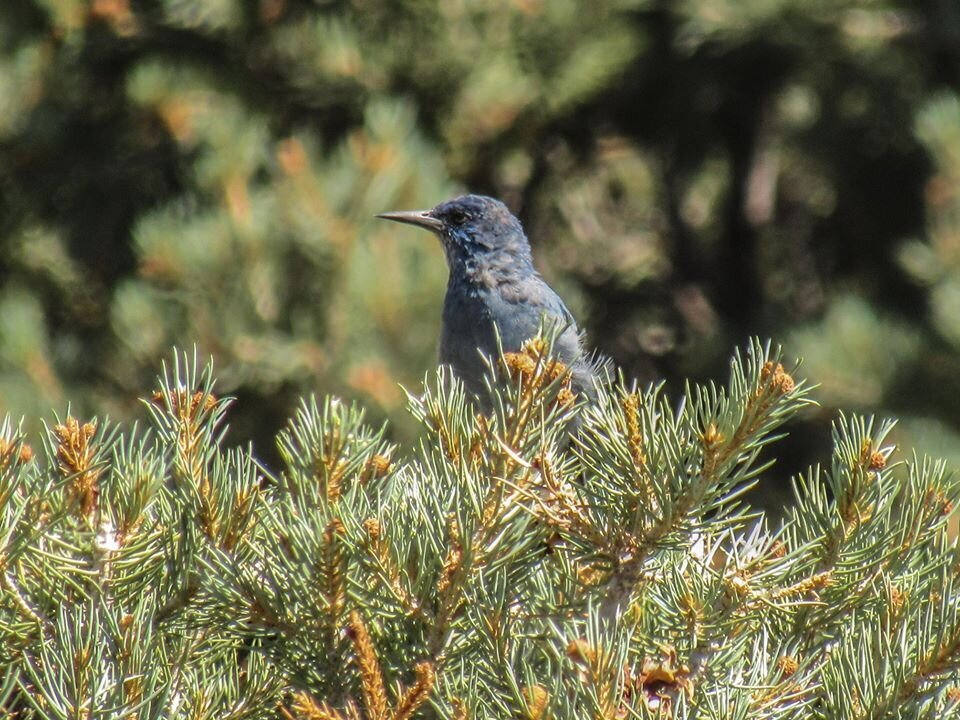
(471, 227)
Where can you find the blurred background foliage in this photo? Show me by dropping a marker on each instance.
(690, 172)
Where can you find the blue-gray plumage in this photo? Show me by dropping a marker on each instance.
(492, 282)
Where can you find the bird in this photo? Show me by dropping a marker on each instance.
(493, 287)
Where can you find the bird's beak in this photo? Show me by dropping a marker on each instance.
(420, 218)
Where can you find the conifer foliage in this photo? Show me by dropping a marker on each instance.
(509, 565)
(690, 173)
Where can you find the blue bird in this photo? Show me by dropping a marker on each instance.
(492, 283)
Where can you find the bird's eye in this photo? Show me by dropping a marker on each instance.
(457, 217)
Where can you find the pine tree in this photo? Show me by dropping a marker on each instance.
(690, 173)
(499, 567)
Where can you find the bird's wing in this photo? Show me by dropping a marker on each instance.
(533, 299)
(533, 291)
(524, 304)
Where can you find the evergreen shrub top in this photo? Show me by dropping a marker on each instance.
(507, 566)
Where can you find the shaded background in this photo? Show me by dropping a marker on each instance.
(690, 173)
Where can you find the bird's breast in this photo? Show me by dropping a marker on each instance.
(467, 331)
